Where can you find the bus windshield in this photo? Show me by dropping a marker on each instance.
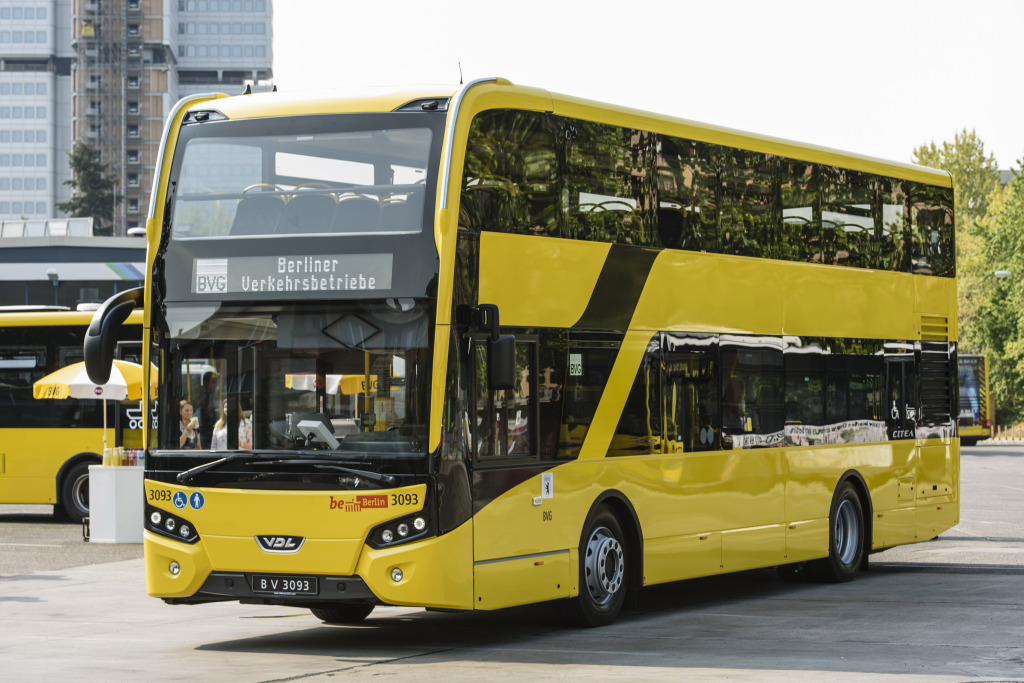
(346, 174)
(344, 381)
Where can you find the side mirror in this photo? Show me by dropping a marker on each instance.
(501, 352)
(101, 337)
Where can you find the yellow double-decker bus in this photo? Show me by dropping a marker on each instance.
(47, 445)
(977, 409)
(488, 346)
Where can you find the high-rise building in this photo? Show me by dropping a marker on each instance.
(107, 72)
(35, 106)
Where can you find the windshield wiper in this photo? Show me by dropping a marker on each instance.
(301, 459)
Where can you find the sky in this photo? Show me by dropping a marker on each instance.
(874, 77)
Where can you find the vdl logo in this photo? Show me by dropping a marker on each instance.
(280, 544)
(211, 276)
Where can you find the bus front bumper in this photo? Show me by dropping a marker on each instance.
(434, 572)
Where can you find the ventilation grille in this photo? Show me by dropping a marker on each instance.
(933, 327)
(938, 383)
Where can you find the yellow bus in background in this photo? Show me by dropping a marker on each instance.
(977, 409)
(46, 446)
(487, 346)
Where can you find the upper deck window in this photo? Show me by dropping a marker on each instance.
(533, 173)
(319, 175)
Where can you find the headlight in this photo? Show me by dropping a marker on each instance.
(171, 526)
(401, 530)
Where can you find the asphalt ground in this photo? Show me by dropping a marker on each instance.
(951, 609)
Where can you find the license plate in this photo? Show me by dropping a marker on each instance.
(276, 584)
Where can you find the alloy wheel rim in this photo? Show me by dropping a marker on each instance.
(604, 565)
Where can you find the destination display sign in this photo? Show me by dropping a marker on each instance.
(304, 275)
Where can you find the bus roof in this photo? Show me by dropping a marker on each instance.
(387, 99)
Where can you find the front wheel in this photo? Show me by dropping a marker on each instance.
(74, 492)
(845, 538)
(602, 573)
(352, 613)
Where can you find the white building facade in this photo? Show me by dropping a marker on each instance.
(108, 72)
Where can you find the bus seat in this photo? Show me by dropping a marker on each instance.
(399, 216)
(257, 215)
(308, 213)
(356, 214)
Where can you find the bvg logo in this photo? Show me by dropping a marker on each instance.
(211, 276)
(280, 544)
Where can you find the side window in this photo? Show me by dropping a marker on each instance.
(752, 388)
(690, 392)
(931, 217)
(893, 237)
(805, 392)
(687, 195)
(510, 180)
(506, 424)
(853, 391)
(20, 366)
(847, 217)
(800, 238)
(639, 428)
(608, 183)
(901, 390)
(748, 206)
(551, 375)
(589, 365)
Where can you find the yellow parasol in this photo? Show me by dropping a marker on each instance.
(73, 382)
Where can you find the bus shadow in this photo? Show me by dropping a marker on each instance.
(750, 624)
(434, 633)
(55, 518)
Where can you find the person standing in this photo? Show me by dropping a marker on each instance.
(207, 407)
(190, 438)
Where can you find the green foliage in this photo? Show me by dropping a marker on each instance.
(94, 190)
(999, 323)
(975, 175)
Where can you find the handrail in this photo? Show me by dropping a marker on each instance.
(449, 141)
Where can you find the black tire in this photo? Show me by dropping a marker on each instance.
(969, 441)
(74, 492)
(351, 613)
(846, 536)
(603, 574)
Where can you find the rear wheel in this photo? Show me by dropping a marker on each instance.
(602, 573)
(352, 613)
(845, 538)
(74, 492)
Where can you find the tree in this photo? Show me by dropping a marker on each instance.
(999, 324)
(94, 190)
(975, 175)
(975, 183)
